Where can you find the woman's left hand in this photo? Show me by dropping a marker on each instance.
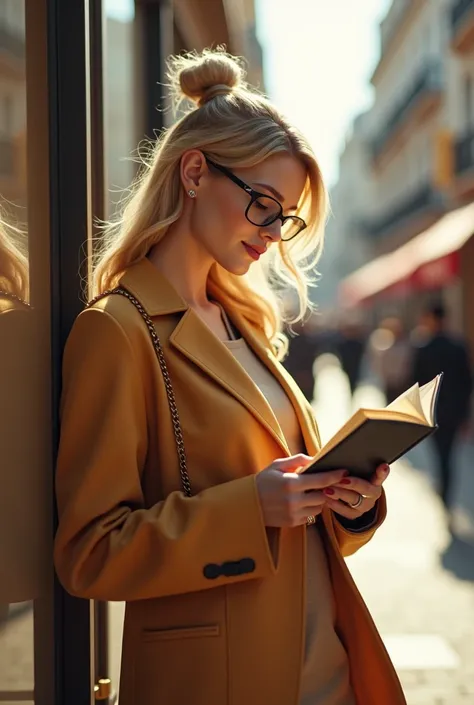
(352, 497)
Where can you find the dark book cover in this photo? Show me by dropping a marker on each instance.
(376, 441)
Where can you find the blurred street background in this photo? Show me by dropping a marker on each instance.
(385, 92)
(416, 577)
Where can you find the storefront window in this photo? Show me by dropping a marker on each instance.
(20, 572)
(122, 134)
(121, 109)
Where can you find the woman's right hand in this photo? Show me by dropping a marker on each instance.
(288, 498)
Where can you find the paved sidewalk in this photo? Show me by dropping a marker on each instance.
(416, 580)
(462, 499)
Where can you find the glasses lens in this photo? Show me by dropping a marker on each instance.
(264, 211)
(292, 227)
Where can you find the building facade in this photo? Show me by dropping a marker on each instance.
(419, 152)
(460, 98)
(81, 84)
(346, 246)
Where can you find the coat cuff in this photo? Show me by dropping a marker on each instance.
(363, 523)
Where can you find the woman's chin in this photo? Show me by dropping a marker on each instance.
(236, 268)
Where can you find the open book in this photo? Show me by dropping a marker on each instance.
(374, 436)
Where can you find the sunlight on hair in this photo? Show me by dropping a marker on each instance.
(236, 127)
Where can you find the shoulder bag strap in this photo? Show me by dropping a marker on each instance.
(178, 434)
(14, 297)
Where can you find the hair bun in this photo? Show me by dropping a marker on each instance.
(202, 77)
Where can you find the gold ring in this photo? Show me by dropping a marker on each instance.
(310, 520)
(357, 503)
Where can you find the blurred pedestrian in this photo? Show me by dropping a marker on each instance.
(302, 352)
(437, 350)
(350, 347)
(391, 357)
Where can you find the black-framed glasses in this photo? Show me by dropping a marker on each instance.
(264, 210)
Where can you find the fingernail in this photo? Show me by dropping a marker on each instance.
(386, 468)
(328, 490)
(345, 473)
(345, 482)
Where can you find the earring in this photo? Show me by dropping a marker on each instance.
(192, 193)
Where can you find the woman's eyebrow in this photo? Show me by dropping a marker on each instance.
(276, 193)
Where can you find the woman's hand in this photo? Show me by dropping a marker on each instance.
(287, 498)
(361, 494)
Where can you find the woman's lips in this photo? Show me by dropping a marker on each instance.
(253, 253)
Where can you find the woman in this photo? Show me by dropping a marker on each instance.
(238, 593)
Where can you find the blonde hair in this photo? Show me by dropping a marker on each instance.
(237, 127)
(14, 272)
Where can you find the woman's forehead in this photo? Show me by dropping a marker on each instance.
(284, 173)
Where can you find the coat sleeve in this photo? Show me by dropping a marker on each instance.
(109, 546)
(350, 541)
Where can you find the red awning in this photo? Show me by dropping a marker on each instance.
(428, 261)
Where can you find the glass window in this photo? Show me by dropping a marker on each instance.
(121, 118)
(20, 571)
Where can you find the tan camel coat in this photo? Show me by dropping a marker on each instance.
(215, 601)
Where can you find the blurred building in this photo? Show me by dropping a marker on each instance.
(243, 37)
(408, 201)
(347, 247)
(460, 98)
(135, 62)
(407, 120)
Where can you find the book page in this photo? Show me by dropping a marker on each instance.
(428, 397)
(410, 403)
(415, 406)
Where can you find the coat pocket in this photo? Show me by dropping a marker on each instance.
(150, 635)
(181, 665)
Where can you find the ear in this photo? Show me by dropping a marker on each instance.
(193, 166)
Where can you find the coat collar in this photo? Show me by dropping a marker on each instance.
(152, 289)
(197, 342)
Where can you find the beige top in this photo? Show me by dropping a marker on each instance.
(325, 677)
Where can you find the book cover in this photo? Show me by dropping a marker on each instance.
(374, 436)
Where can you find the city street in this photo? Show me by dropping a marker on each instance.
(233, 162)
(417, 581)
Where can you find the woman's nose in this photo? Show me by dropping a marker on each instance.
(272, 232)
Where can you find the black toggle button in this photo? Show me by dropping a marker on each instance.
(247, 565)
(229, 569)
(211, 571)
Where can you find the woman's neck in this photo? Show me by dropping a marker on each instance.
(181, 260)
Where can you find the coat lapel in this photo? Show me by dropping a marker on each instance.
(311, 439)
(196, 341)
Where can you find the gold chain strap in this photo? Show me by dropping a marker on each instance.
(178, 434)
(14, 297)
